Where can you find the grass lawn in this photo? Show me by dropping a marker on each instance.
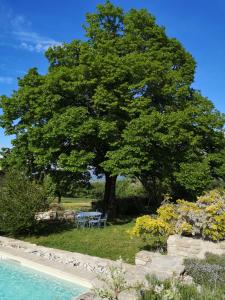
(111, 242)
(77, 203)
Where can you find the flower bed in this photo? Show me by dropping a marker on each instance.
(204, 219)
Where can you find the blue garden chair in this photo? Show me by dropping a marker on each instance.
(81, 221)
(94, 222)
(103, 221)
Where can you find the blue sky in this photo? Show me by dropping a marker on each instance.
(28, 28)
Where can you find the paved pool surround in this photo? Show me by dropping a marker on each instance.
(84, 269)
(71, 266)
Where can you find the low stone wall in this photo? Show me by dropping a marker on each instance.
(74, 259)
(53, 215)
(89, 265)
(146, 262)
(163, 266)
(194, 248)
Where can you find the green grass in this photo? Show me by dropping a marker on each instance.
(175, 289)
(111, 242)
(77, 203)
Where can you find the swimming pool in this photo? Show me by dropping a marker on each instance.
(18, 282)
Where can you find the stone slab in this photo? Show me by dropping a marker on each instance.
(193, 248)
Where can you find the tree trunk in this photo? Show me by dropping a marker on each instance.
(110, 195)
(59, 197)
(153, 191)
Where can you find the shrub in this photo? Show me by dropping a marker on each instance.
(130, 188)
(204, 218)
(174, 289)
(147, 227)
(20, 200)
(131, 206)
(208, 271)
(167, 212)
(114, 283)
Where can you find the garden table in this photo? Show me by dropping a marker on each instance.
(83, 218)
(89, 214)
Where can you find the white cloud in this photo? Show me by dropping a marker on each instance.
(32, 41)
(16, 31)
(6, 79)
(19, 21)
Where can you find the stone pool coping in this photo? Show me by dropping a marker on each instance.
(56, 269)
(75, 267)
(44, 268)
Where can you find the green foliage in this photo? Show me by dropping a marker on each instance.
(194, 176)
(203, 219)
(131, 197)
(120, 102)
(20, 200)
(178, 151)
(114, 283)
(173, 289)
(125, 188)
(97, 189)
(128, 188)
(67, 183)
(132, 206)
(147, 227)
(209, 271)
(110, 242)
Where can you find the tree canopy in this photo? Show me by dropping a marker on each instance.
(119, 102)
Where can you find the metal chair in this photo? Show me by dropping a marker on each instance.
(94, 222)
(80, 221)
(103, 221)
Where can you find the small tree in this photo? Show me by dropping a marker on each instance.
(20, 200)
(115, 283)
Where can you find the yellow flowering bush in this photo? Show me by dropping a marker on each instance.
(167, 212)
(204, 218)
(146, 227)
(185, 228)
(214, 206)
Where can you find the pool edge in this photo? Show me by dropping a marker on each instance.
(47, 269)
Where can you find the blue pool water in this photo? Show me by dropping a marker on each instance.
(20, 283)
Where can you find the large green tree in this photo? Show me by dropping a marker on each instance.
(177, 152)
(80, 115)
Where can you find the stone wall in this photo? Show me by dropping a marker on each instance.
(163, 266)
(53, 215)
(194, 248)
(74, 259)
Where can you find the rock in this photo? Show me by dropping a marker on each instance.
(87, 296)
(69, 215)
(163, 266)
(186, 279)
(144, 258)
(193, 248)
(46, 216)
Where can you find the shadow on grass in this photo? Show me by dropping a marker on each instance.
(121, 220)
(156, 245)
(51, 228)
